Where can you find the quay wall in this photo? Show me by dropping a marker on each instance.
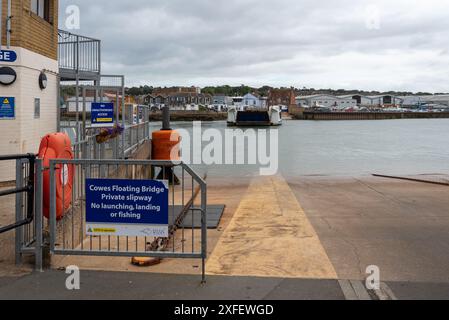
(191, 116)
(368, 115)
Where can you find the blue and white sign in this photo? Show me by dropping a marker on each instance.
(7, 108)
(127, 208)
(102, 115)
(8, 56)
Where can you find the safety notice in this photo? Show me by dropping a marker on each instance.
(127, 207)
(7, 108)
(102, 115)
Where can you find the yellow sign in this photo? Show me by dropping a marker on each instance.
(6, 101)
(96, 230)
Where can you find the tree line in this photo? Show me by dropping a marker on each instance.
(264, 91)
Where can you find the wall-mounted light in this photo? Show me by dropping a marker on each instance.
(42, 81)
(7, 76)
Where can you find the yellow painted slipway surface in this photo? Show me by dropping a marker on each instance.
(270, 236)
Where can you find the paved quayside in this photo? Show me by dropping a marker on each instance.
(270, 236)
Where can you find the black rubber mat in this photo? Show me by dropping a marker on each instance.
(214, 214)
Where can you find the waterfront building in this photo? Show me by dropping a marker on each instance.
(326, 100)
(221, 99)
(175, 90)
(437, 99)
(29, 106)
(375, 100)
(252, 100)
(155, 100)
(182, 100)
(283, 97)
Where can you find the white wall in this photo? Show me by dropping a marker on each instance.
(23, 135)
(326, 101)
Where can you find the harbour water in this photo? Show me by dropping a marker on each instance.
(350, 148)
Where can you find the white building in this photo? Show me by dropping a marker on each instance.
(251, 100)
(326, 100)
(375, 101)
(29, 104)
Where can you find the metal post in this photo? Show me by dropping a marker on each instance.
(8, 26)
(77, 119)
(38, 217)
(83, 134)
(203, 230)
(58, 104)
(19, 208)
(147, 122)
(52, 206)
(1, 24)
(166, 118)
(117, 122)
(123, 115)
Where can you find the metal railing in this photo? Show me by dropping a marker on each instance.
(26, 187)
(187, 214)
(78, 53)
(121, 147)
(28, 209)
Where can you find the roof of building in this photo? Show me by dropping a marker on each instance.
(318, 96)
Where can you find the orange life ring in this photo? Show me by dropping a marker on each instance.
(57, 146)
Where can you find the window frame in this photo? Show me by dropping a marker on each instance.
(43, 13)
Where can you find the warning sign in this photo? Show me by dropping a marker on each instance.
(7, 108)
(102, 115)
(127, 208)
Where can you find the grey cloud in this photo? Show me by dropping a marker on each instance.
(317, 43)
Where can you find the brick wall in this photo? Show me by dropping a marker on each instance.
(282, 97)
(30, 31)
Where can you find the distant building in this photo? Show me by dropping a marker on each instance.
(175, 90)
(252, 100)
(437, 99)
(325, 100)
(222, 100)
(181, 100)
(155, 100)
(283, 97)
(375, 101)
(416, 101)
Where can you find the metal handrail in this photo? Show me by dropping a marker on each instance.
(78, 53)
(29, 189)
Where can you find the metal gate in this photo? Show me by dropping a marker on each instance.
(187, 222)
(28, 207)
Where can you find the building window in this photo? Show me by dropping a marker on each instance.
(37, 108)
(41, 8)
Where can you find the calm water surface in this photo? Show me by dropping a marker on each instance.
(351, 148)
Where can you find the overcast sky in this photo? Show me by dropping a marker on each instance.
(350, 44)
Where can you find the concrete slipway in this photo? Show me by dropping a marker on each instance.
(268, 247)
(266, 234)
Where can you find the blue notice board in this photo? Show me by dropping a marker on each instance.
(102, 115)
(127, 207)
(7, 108)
